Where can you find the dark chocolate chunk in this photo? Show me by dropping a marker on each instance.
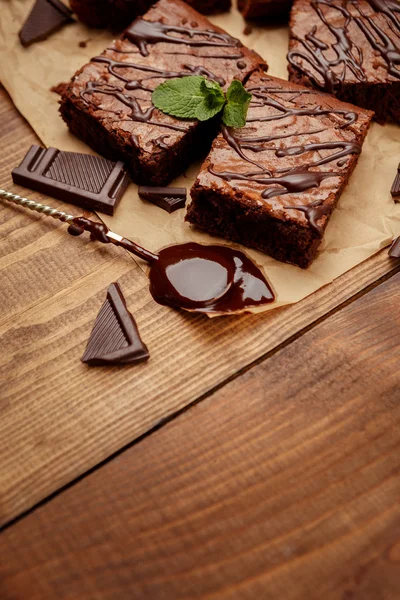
(395, 190)
(167, 198)
(115, 338)
(88, 181)
(46, 17)
(394, 250)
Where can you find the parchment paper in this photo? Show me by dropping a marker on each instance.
(365, 220)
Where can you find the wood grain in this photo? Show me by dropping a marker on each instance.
(59, 418)
(285, 484)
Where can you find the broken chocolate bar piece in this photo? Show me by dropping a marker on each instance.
(115, 338)
(46, 17)
(395, 190)
(167, 198)
(88, 181)
(394, 250)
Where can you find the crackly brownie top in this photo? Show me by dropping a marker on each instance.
(346, 41)
(292, 157)
(172, 40)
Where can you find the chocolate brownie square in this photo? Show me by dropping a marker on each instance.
(273, 184)
(350, 49)
(108, 102)
(117, 14)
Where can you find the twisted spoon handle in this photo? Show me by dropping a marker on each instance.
(86, 225)
(40, 208)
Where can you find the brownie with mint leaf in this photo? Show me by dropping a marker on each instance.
(108, 103)
(274, 183)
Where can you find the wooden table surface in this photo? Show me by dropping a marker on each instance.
(254, 458)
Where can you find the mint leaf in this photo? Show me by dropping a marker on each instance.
(235, 110)
(213, 100)
(195, 97)
(180, 97)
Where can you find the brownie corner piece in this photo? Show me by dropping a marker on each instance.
(350, 49)
(108, 102)
(273, 184)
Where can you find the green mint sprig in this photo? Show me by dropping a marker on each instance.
(195, 97)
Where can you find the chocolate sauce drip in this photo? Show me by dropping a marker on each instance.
(221, 56)
(388, 8)
(207, 279)
(294, 181)
(264, 99)
(241, 64)
(313, 213)
(234, 142)
(298, 179)
(203, 71)
(142, 33)
(236, 56)
(137, 113)
(346, 149)
(74, 230)
(381, 42)
(132, 84)
(318, 54)
(160, 142)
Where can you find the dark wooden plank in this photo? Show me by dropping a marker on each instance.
(284, 484)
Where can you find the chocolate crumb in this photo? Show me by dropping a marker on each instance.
(59, 88)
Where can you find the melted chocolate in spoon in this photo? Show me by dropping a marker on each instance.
(196, 277)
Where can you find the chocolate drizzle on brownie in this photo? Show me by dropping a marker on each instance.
(137, 84)
(325, 59)
(313, 213)
(137, 113)
(142, 33)
(289, 180)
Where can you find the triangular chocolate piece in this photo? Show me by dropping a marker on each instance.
(394, 250)
(115, 338)
(45, 17)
